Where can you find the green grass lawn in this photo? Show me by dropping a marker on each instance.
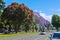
(18, 34)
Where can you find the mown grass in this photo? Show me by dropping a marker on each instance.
(18, 34)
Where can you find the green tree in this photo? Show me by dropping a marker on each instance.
(56, 21)
(17, 14)
(2, 5)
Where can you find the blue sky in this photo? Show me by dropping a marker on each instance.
(46, 7)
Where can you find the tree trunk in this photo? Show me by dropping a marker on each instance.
(16, 28)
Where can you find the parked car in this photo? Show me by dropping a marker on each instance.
(42, 33)
(54, 36)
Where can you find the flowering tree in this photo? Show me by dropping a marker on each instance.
(17, 14)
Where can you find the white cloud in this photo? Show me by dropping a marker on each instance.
(46, 17)
(51, 9)
(35, 10)
(58, 9)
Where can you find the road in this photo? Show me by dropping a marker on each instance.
(29, 37)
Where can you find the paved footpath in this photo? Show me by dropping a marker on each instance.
(29, 37)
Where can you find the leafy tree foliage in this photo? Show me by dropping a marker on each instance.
(17, 14)
(56, 21)
(41, 21)
(2, 5)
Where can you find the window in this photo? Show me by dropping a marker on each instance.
(56, 35)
